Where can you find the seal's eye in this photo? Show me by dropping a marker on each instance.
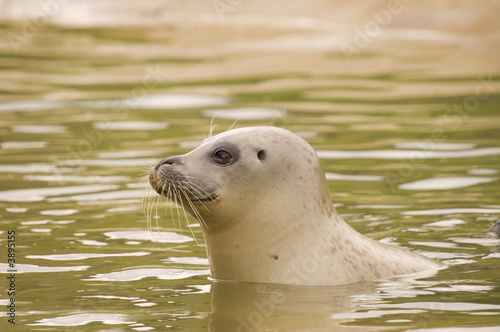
(222, 157)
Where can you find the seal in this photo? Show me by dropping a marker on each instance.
(262, 200)
(495, 229)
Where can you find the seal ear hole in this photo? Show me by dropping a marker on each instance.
(261, 155)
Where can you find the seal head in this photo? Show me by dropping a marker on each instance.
(246, 171)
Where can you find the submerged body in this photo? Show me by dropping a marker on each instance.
(262, 199)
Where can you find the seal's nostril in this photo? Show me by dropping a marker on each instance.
(168, 161)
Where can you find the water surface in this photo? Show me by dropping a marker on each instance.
(408, 130)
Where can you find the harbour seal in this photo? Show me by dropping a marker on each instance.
(495, 229)
(262, 200)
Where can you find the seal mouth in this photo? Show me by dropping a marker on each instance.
(177, 187)
(206, 199)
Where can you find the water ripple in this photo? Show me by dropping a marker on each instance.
(436, 212)
(84, 319)
(23, 145)
(39, 194)
(130, 125)
(346, 177)
(187, 260)
(446, 223)
(152, 101)
(110, 162)
(105, 196)
(434, 146)
(138, 274)
(78, 178)
(407, 154)
(161, 237)
(445, 183)
(39, 129)
(29, 268)
(82, 256)
(245, 113)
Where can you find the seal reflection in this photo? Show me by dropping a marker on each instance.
(245, 307)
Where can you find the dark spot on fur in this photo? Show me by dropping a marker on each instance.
(275, 257)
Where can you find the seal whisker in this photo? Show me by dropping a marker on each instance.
(147, 201)
(178, 202)
(153, 203)
(147, 208)
(212, 126)
(152, 206)
(200, 201)
(203, 191)
(147, 189)
(149, 213)
(197, 215)
(171, 198)
(156, 216)
(148, 197)
(175, 196)
(234, 123)
(195, 210)
(181, 192)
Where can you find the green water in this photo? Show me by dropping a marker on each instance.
(89, 81)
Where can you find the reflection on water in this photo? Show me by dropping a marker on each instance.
(138, 274)
(158, 101)
(247, 113)
(445, 183)
(408, 154)
(84, 319)
(77, 178)
(38, 129)
(130, 125)
(434, 146)
(346, 177)
(446, 223)
(30, 268)
(23, 145)
(33, 168)
(164, 237)
(248, 307)
(40, 194)
(76, 257)
(452, 211)
(405, 120)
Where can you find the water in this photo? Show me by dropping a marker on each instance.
(408, 131)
